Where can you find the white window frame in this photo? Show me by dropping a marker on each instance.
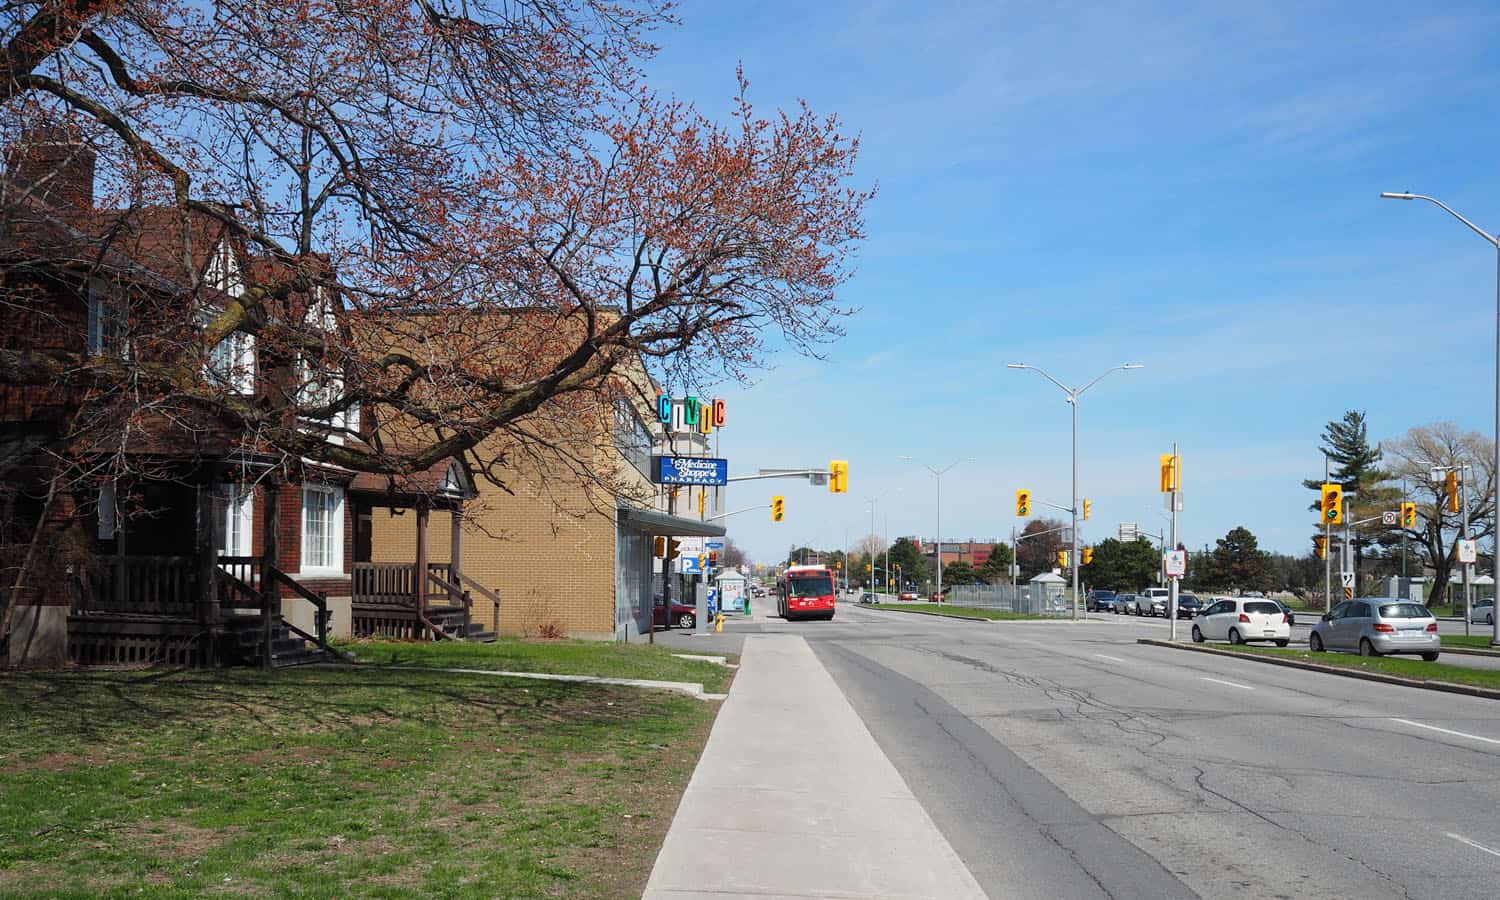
(106, 325)
(333, 551)
(231, 363)
(239, 516)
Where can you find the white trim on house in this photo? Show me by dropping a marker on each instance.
(237, 524)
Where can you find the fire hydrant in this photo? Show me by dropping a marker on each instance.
(719, 624)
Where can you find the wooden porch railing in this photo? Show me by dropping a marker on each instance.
(143, 585)
(318, 599)
(494, 598)
(390, 584)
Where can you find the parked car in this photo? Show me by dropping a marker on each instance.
(1151, 602)
(1099, 601)
(1242, 619)
(1375, 626)
(1188, 606)
(1125, 603)
(1483, 611)
(682, 615)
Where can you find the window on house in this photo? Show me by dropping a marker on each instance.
(107, 512)
(236, 521)
(106, 335)
(231, 363)
(322, 528)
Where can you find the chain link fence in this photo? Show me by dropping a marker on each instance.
(1033, 599)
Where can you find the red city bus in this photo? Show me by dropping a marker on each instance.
(805, 592)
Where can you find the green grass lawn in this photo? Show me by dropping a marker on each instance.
(964, 611)
(335, 783)
(609, 659)
(1403, 666)
(1469, 641)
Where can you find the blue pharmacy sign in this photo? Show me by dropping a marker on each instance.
(689, 470)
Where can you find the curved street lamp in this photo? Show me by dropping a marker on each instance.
(1493, 242)
(1073, 395)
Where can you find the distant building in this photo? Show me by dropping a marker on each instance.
(975, 553)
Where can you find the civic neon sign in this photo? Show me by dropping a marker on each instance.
(690, 413)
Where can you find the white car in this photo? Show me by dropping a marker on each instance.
(1483, 611)
(1152, 602)
(1239, 620)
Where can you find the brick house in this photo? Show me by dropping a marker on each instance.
(141, 529)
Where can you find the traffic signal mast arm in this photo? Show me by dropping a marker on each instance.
(780, 473)
(737, 512)
(1022, 537)
(1066, 509)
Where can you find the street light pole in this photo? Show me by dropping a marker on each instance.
(1073, 395)
(1495, 499)
(937, 474)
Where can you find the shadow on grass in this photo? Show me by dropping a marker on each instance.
(104, 706)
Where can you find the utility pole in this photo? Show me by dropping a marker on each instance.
(1327, 546)
(1172, 582)
(1463, 502)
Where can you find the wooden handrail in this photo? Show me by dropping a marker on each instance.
(455, 591)
(318, 600)
(494, 598)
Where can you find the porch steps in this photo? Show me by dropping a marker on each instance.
(451, 620)
(287, 649)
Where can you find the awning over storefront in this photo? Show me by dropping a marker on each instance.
(650, 521)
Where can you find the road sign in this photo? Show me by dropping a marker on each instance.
(1348, 593)
(1128, 531)
(690, 546)
(714, 545)
(1176, 563)
(1390, 518)
(1347, 580)
(1468, 551)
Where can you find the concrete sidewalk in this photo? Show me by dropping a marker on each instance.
(793, 798)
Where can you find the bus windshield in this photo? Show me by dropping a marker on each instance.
(809, 586)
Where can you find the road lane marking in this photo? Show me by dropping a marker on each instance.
(1477, 846)
(1243, 687)
(1110, 658)
(1462, 734)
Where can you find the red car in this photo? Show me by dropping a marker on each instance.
(683, 615)
(908, 595)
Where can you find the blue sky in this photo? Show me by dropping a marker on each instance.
(1077, 185)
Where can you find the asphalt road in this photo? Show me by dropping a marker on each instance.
(1065, 760)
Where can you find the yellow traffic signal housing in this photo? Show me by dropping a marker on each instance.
(838, 476)
(1171, 465)
(1320, 547)
(1408, 515)
(702, 501)
(1062, 559)
(1088, 555)
(778, 508)
(1023, 502)
(1333, 499)
(659, 547)
(1087, 508)
(1450, 487)
(673, 545)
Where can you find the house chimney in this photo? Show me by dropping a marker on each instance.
(57, 166)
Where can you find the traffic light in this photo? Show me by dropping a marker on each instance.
(778, 508)
(1023, 502)
(869, 567)
(1408, 515)
(673, 546)
(1062, 559)
(838, 476)
(659, 547)
(1171, 466)
(1450, 487)
(1087, 507)
(1333, 504)
(1320, 547)
(702, 495)
(713, 557)
(1088, 555)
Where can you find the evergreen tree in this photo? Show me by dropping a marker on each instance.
(1239, 563)
(1122, 565)
(996, 569)
(1356, 465)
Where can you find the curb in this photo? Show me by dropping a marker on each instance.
(1424, 684)
(691, 688)
(1471, 651)
(937, 615)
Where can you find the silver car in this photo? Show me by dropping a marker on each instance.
(1375, 626)
(1483, 611)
